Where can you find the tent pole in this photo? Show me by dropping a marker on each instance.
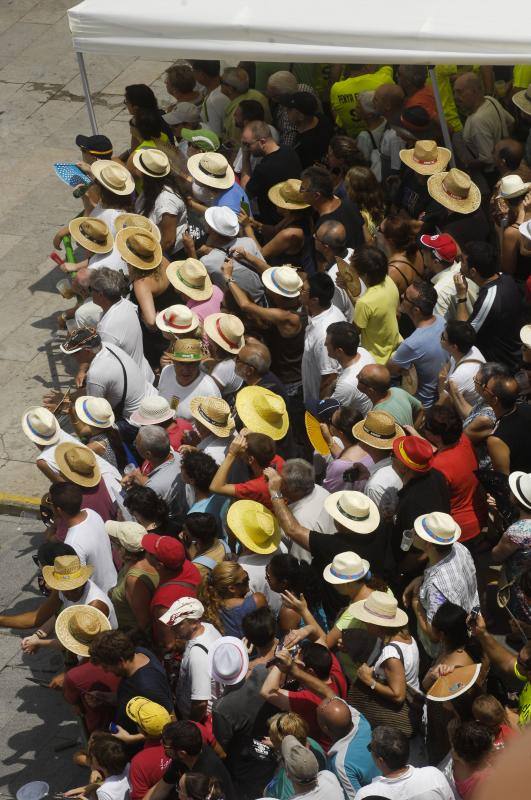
(86, 92)
(440, 111)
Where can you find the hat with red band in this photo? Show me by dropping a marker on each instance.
(166, 549)
(414, 452)
(443, 246)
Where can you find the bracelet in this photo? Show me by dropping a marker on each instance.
(41, 634)
(229, 280)
(277, 496)
(462, 299)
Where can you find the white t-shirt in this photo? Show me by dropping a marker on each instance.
(347, 392)
(383, 485)
(411, 662)
(116, 787)
(315, 360)
(203, 386)
(213, 110)
(464, 372)
(215, 447)
(120, 326)
(112, 260)
(93, 546)
(48, 453)
(447, 294)
(417, 783)
(168, 202)
(224, 373)
(310, 513)
(195, 682)
(92, 592)
(327, 788)
(107, 215)
(105, 378)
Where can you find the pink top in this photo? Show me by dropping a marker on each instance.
(334, 482)
(205, 307)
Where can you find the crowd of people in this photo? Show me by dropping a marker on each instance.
(287, 539)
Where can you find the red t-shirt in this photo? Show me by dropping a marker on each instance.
(176, 432)
(87, 677)
(147, 768)
(424, 98)
(170, 591)
(256, 488)
(467, 502)
(305, 703)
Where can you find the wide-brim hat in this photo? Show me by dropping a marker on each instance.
(228, 660)
(76, 627)
(525, 335)
(512, 186)
(177, 319)
(95, 411)
(190, 278)
(92, 234)
(346, 568)
(262, 411)
(426, 157)
(254, 526)
(437, 528)
(40, 426)
(67, 573)
(379, 608)
(287, 194)
(214, 414)
(520, 486)
(151, 162)
(127, 533)
(455, 190)
(115, 177)
(353, 510)
(522, 100)
(188, 351)
(139, 248)
(211, 169)
(78, 464)
(284, 281)
(153, 410)
(136, 221)
(378, 429)
(457, 682)
(225, 330)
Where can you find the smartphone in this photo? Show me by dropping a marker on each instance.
(472, 617)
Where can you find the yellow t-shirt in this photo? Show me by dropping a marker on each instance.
(443, 73)
(375, 316)
(524, 700)
(344, 97)
(521, 76)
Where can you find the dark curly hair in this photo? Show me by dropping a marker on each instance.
(200, 467)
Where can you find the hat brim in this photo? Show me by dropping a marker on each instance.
(236, 522)
(448, 687)
(267, 280)
(518, 193)
(177, 283)
(374, 441)
(220, 430)
(252, 419)
(209, 327)
(62, 632)
(359, 611)
(242, 672)
(525, 335)
(74, 226)
(330, 578)
(422, 534)
(138, 419)
(130, 258)
(409, 464)
(119, 224)
(443, 158)
(35, 437)
(356, 526)
(81, 414)
(113, 529)
(277, 199)
(522, 102)
(96, 169)
(315, 435)
(80, 480)
(138, 164)
(209, 180)
(162, 326)
(514, 481)
(465, 206)
(67, 583)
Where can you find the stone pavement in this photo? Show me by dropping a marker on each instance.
(41, 111)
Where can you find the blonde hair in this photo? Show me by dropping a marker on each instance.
(215, 589)
(287, 724)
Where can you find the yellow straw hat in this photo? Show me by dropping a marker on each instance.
(77, 626)
(139, 247)
(378, 429)
(67, 573)
(254, 526)
(78, 464)
(214, 414)
(287, 194)
(455, 190)
(136, 221)
(262, 411)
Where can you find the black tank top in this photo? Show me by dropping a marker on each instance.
(286, 353)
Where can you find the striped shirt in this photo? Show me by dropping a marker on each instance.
(453, 579)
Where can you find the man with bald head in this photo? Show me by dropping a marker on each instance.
(331, 245)
(388, 101)
(348, 757)
(509, 159)
(374, 380)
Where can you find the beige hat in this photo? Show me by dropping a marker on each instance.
(151, 162)
(152, 410)
(67, 573)
(211, 169)
(40, 426)
(214, 414)
(78, 464)
(437, 528)
(513, 186)
(426, 158)
(181, 609)
(139, 247)
(92, 234)
(457, 682)
(380, 608)
(345, 568)
(113, 176)
(378, 429)
(187, 350)
(76, 627)
(254, 526)
(95, 411)
(353, 510)
(190, 278)
(284, 281)
(177, 320)
(455, 190)
(128, 534)
(262, 411)
(225, 330)
(525, 335)
(522, 100)
(136, 221)
(287, 194)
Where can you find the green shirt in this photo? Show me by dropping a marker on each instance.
(401, 405)
(524, 700)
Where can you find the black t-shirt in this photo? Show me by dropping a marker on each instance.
(463, 228)
(423, 494)
(413, 196)
(149, 681)
(311, 145)
(349, 215)
(496, 318)
(515, 430)
(278, 166)
(208, 763)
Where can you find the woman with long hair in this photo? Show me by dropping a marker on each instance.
(366, 193)
(508, 212)
(285, 573)
(226, 598)
(404, 260)
(342, 155)
(197, 786)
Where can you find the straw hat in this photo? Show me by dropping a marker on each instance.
(378, 429)
(262, 411)
(67, 573)
(113, 176)
(254, 526)
(225, 330)
(40, 426)
(190, 278)
(213, 413)
(139, 247)
(177, 320)
(284, 281)
(522, 100)
(152, 411)
(426, 158)
(211, 169)
(77, 626)
(127, 533)
(455, 190)
(315, 434)
(92, 234)
(151, 162)
(345, 568)
(150, 717)
(287, 194)
(136, 221)
(520, 486)
(188, 350)
(228, 660)
(380, 608)
(459, 681)
(78, 464)
(95, 411)
(513, 186)
(437, 528)
(353, 510)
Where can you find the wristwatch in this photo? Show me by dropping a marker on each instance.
(372, 685)
(277, 496)
(231, 280)
(461, 299)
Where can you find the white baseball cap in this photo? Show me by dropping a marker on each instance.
(183, 608)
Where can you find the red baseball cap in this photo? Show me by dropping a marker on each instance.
(414, 452)
(443, 246)
(168, 550)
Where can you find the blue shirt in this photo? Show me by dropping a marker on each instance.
(423, 349)
(350, 760)
(233, 198)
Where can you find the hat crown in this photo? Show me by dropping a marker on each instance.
(214, 164)
(288, 278)
(380, 424)
(177, 316)
(513, 185)
(188, 347)
(290, 191)
(216, 409)
(65, 566)
(381, 604)
(42, 422)
(84, 626)
(354, 505)
(99, 408)
(81, 460)
(425, 151)
(271, 407)
(154, 407)
(115, 176)
(142, 244)
(155, 160)
(348, 565)
(259, 525)
(193, 272)
(227, 661)
(439, 526)
(457, 184)
(133, 221)
(94, 229)
(232, 327)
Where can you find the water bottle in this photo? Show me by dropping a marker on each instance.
(129, 468)
(407, 540)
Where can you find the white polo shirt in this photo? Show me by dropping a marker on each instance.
(91, 543)
(463, 373)
(347, 392)
(105, 378)
(416, 783)
(120, 326)
(315, 360)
